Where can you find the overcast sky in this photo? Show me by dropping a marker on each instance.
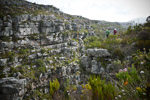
(109, 10)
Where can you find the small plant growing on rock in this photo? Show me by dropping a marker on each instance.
(5, 38)
(40, 65)
(54, 87)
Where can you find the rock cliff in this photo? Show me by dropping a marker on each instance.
(39, 43)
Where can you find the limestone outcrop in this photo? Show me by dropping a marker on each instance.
(91, 62)
(12, 88)
(40, 44)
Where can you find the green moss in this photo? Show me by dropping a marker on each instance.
(9, 54)
(26, 73)
(66, 33)
(33, 36)
(40, 65)
(24, 52)
(75, 39)
(43, 50)
(5, 38)
(42, 69)
(39, 62)
(38, 12)
(82, 30)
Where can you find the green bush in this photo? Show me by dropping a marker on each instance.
(54, 87)
(40, 65)
(112, 40)
(144, 39)
(142, 60)
(42, 69)
(43, 50)
(129, 30)
(135, 81)
(143, 44)
(117, 53)
(92, 42)
(134, 73)
(102, 90)
(132, 85)
(128, 75)
(123, 76)
(24, 52)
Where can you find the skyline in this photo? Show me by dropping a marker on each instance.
(108, 10)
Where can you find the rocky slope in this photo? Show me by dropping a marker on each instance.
(39, 43)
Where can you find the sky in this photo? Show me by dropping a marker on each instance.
(108, 10)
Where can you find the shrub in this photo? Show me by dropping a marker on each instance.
(134, 85)
(87, 86)
(43, 50)
(134, 73)
(92, 42)
(144, 40)
(102, 90)
(147, 24)
(129, 30)
(54, 86)
(40, 65)
(24, 52)
(118, 54)
(42, 69)
(112, 40)
(10, 55)
(142, 60)
(123, 76)
(143, 44)
(86, 93)
(37, 93)
(128, 75)
(127, 40)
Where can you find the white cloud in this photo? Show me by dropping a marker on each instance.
(110, 10)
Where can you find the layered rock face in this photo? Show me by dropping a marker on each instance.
(12, 89)
(37, 48)
(40, 48)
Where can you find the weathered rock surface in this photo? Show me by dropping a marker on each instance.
(91, 63)
(97, 52)
(12, 88)
(41, 47)
(3, 62)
